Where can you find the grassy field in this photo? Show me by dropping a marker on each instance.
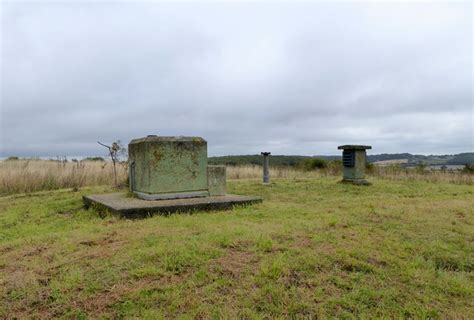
(312, 248)
(24, 176)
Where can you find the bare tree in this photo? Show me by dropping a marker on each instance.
(114, 151)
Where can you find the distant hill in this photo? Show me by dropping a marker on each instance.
(413, 159)
(256, 159)
(291, 160)
(462, 158)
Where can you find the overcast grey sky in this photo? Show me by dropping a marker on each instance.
(290, 78)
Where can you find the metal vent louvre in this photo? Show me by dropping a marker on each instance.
(348, 158)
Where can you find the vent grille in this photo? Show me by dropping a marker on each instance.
(348, 158)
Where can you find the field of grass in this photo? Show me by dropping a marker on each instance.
(313, 248)
(22, 176)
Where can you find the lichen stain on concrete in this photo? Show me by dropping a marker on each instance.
(173, 164)
(157, 155)
(189, 147)
(192, 172)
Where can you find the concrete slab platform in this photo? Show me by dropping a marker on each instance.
(124, 205)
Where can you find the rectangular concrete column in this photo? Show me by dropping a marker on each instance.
(266, 167)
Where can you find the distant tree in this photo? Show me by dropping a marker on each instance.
(94, 159)
(468, 168)
(114, 152)
(312, 164)
(256, 159)
(13, 158)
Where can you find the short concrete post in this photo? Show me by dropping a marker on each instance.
(354, 159)
(266, 169)
(216, 176)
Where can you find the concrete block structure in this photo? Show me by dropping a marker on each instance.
(354, 161)
(169, 174)
(168, 167)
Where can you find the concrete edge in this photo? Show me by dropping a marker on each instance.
(168, 209)
(172, 195)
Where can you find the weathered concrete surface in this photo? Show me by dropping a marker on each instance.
(216, 179)
(358, 170)
(266, 167)
(169, 165)
(171, 195)
(130, 207)
(355, 173)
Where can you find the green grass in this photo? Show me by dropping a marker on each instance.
(312, 248)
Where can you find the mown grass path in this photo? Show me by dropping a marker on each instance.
(312, 248)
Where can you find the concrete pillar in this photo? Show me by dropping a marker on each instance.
(354, 160)
(266, 168)
(216, 177)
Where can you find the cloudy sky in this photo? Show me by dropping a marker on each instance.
(290, 78)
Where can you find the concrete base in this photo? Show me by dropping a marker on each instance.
(130, 207)
(359, 182)
(169, 196)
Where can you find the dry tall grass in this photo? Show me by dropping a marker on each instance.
(388, 172)
(398, 173)
(256, 172)
(23, 176)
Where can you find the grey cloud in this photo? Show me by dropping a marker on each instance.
(291, 78)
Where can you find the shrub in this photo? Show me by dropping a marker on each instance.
(370, 168)
(312, 164)
(468, 168)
